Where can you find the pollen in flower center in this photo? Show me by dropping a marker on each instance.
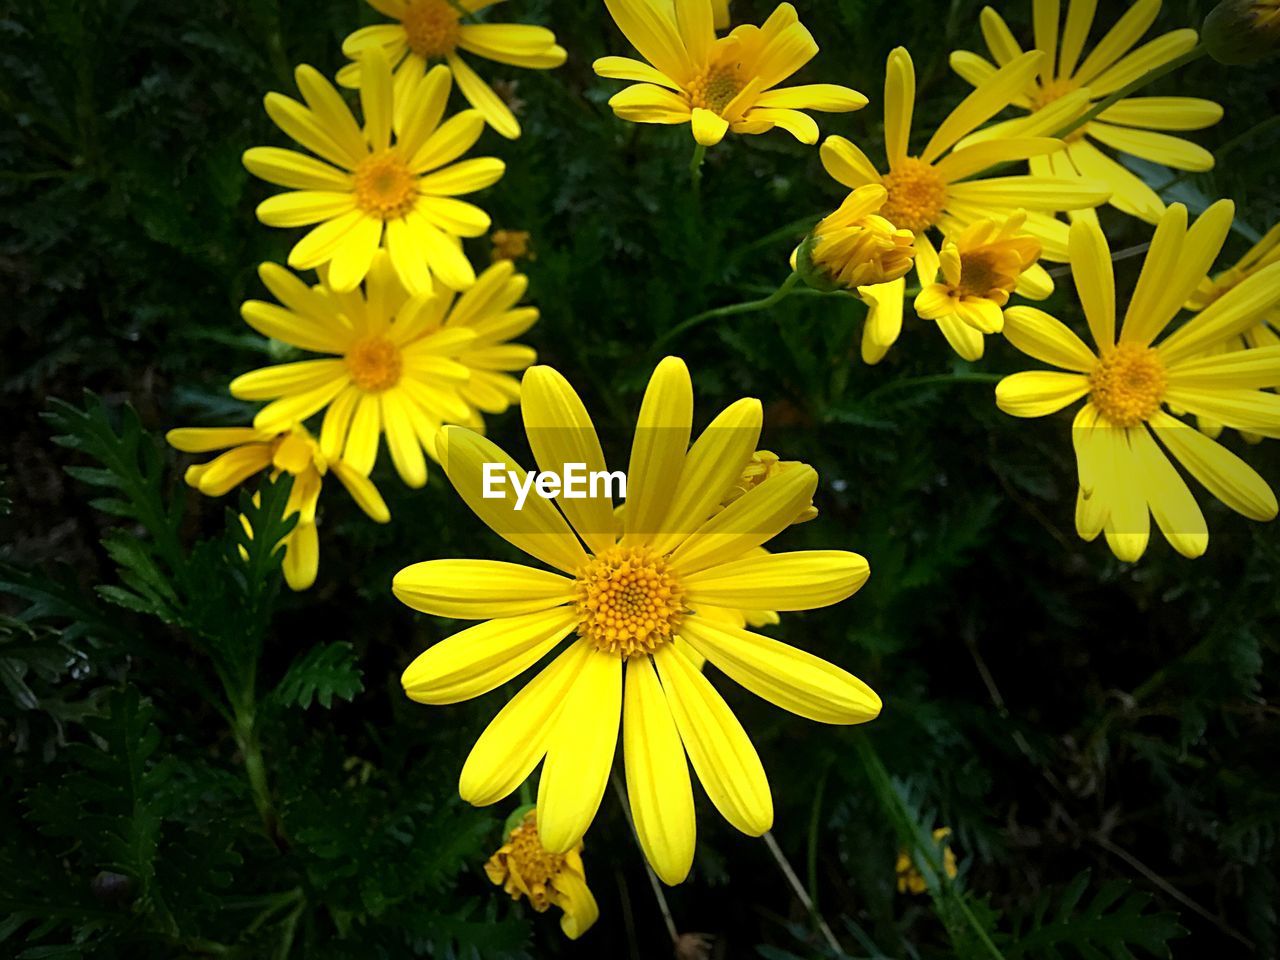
(1046, 93)
(1128, 384)
(374, 364)
(525, 866)
(917, 195)
(385, 187)
(432, 27)
(980, 274)
(715, 88)
(629, 601)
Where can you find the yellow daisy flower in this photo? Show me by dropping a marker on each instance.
(628, 590)
(718, 84)
(1066, 87)
(855, 246)
(981, 266)
(511, 245)
(393, 185)
(399, 365)
(291, 450)
(427, 31)
(523, 867)
(910, 880)
(1125, 478)
(941, 187)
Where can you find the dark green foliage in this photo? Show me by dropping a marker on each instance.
(199, 763)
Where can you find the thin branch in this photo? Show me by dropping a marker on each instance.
(801, 893)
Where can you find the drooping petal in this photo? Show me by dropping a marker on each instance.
(1175, 510)
(580, 753)
(658, 784)
(726, 763)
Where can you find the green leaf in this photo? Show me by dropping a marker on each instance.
(322, 673)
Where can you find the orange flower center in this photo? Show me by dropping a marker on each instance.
(1046, 93)
(374, 364)
(714, 88)
(1128, 384)
(629, 602)
(385, 187)
(917, 195)
(432, 27)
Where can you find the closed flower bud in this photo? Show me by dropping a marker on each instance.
(854, 246)
(1241, 32)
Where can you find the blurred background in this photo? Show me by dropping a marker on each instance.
(1099, 738)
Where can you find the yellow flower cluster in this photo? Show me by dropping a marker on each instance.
(406, 344)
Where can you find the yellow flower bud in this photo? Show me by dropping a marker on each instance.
(855, 246)
(1241, 32)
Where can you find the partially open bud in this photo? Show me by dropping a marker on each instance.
(1241, 32)
(854, 246)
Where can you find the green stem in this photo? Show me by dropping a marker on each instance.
(1129, 89)
(245, 726)
(734, 308)
(924, 851)
(893, 385)
(802, 895)
(695, 166)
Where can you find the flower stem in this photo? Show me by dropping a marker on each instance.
(1102, 106)
(695, 166)
(734, 308)
(255, 768)
(934, 379)
(658, 895)
(802, 894)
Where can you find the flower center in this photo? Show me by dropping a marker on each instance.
(917, 195)
(385, 187)
(432, 27)
(1046, 93)
(1128, 384)
(629, 602)
(981, 275)
(524, 860)
(715, 88)
(374, 364)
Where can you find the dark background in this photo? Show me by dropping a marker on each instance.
(1060, 711)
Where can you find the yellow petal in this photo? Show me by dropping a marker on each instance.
(658, 786)
(299, 208)
(658, 449)
(753, 519)
(301, 556)
(362, 491)
(1233, 313)
(1221, 472)
(1119, 39)
(516, 739)
(485, 656)
(537, 528)
(1128, 521)
(1151, 308)
(988, 99)
(637, 71)
(1163, 113)
(654, 35)
(560, 432)
(580, 753)
(1156, 147)
(1046, 338)
(286, 378)
(708, 128)
(288, 168)
(803, 580)
(1175, 510)
(967, 161)
(205, 439)
(711, 468)
(1146, 58)
(479, 589)
(846, 163)
(1031, 193)
(1237, 370)
(1038, 393)
(721, 753)
(789, 678)
(899, 103)
(480, 95)
(647, 103)
(1095, 281)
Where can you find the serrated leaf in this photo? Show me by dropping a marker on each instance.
(320, 674)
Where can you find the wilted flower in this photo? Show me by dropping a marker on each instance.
(523, 867)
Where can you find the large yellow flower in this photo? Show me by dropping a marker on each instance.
(1125, 478)
(431, 30)
(1065, 88)
(629, 590)
(523, 867)
(291, 450)
(941, 187)
(400, 365)
(980, 267)
(718, 84)
(383, 184)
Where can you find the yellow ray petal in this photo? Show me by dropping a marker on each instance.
(1095, 281)
(647, 103)
(658, 449)
(515, 741)
(803, 580)
(1146, 58)
(1038, 393)
(1156, 147)
(1074, 34)
(485, 656)
(1120, 38)
(1221, 472)
(1232, 313)
(899, 103)
(560, 432)
(654, 35)
(1039, 335)
(206, 439)
(658, 786)
(846, 163)
(479, 589)
(1163, 113)
(480, 95)
(983, 103)
(785, 676)
(1175, 510)
(580, 753)
(726, 763)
